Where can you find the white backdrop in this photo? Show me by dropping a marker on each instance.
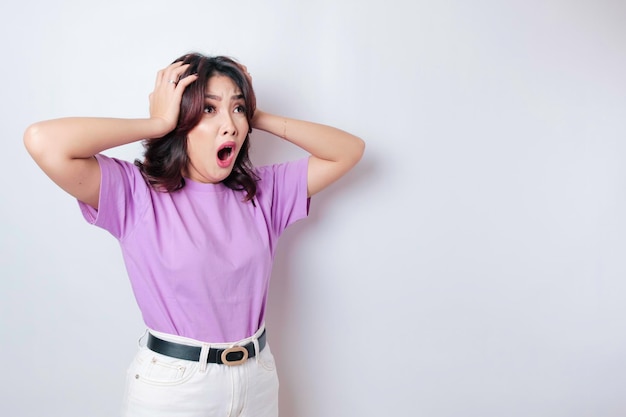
(473, 263)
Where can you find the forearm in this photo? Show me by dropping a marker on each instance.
(324, 142)
(333, 151)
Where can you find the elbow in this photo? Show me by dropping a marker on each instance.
(361, 147)
(33, 141)
(39, 145)
(359, 150)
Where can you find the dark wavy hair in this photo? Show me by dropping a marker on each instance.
(166, 159)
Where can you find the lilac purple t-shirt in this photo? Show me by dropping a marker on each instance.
(199, 259)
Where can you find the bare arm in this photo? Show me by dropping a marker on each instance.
(333, 151)
(65, 148)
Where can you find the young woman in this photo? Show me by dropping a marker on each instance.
(197, 225)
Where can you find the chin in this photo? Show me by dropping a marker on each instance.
(223, 175)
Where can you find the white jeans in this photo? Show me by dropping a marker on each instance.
(160, 386)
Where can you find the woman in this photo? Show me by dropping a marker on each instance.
(197, 225)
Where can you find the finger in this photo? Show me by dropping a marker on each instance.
(184, 82)
(158, 79)
(171, 72)
(174, 74)
(174, 66)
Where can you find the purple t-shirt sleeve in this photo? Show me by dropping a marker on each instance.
(122, 200)
(283, 187)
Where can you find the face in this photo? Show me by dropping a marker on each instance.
(213, 145)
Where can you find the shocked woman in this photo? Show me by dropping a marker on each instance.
(197, 224)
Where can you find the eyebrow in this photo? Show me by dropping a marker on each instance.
(218, 98)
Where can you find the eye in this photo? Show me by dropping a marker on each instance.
(209, 108)
(240, 109)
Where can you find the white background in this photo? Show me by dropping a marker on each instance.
(473, 264)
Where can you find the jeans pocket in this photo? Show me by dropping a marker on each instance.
(156, 369)
(266, 359)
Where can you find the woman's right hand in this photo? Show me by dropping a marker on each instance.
(64, 148)
(167, 95)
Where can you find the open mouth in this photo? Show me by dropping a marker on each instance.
(225, 154)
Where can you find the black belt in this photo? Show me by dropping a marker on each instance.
(230, 356)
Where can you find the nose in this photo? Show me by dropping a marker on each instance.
(228, 126)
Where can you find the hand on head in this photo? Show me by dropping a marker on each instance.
(168, 92)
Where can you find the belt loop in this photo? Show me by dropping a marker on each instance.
(204, 357)
(257, 354)
(145, 332)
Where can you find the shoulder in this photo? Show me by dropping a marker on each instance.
(283, 169)
(109, 162)
(122, 178)
(119, 168)
(282, 179)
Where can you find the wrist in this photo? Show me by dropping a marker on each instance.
(256, 120)
(159, 127)
(270, 123)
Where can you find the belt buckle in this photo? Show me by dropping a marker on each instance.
(234, 349)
